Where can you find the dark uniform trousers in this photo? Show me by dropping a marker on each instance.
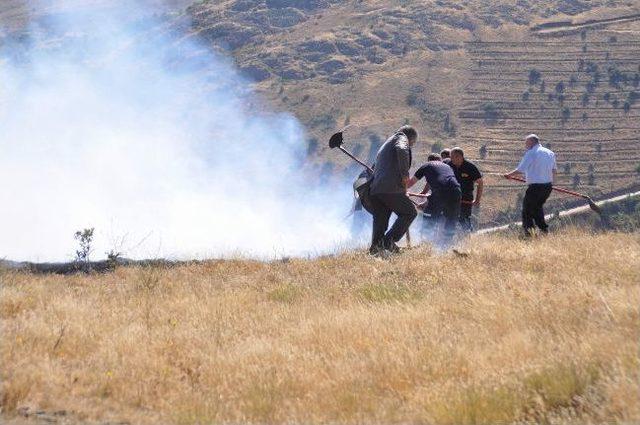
(532, 206)
(466, 208)
(383, 204)
(442, 205)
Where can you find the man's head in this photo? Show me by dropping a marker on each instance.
(445, 153)
(434, 157)
(457, 156)
(531, 140)
(410, 132)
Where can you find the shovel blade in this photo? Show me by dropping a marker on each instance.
(336, 140)
(594, 207)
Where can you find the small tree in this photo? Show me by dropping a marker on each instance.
(84, 238)
(312, 146)
(376, 142)
(534, 77)
(447, 126)
(326, 172)
(491, 112)
(576, 180)
(573, 81)
(483, 151)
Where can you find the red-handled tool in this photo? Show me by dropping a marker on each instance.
(592, 204)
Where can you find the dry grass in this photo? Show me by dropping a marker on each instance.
(545, 331)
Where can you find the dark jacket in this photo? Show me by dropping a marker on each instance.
(392, 164)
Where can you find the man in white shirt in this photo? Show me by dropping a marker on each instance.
(538, 166)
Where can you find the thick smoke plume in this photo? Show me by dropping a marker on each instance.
(125, 126)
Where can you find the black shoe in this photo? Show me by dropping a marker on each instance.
(376, 250)
(390, 245)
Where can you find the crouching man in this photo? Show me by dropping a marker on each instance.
(388, 193)
(445, 198)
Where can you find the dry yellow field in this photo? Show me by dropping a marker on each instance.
(542, 331)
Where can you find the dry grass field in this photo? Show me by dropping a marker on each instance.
(544, 331)
(479, 74)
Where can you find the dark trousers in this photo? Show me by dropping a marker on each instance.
(532, 207)
(383, 204)
(466, 208)
(443, 205)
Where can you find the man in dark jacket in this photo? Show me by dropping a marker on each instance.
(445, 194)
(388, 192)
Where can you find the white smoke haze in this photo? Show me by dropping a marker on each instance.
(104, 125)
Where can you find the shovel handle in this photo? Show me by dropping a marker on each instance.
(419, 195)
(558, 189)
(350, 155)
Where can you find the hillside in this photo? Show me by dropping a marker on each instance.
(542, 331)
(473, 73)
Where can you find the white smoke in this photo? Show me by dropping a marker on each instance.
(115, 126)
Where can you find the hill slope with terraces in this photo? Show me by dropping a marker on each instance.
(580, 90)
(476, 74)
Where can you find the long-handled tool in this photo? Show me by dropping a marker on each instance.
(592, 204)
(336, 141)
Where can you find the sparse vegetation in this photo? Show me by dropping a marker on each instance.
(534, 77)
(305, 341)
(84, 238)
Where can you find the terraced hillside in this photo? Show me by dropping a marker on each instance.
(471, 73)
(379, 64)
(579, 90)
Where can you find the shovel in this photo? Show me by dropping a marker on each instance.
(592, 204)
(336, 141)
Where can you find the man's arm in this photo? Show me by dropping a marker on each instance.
(521, 168)
(403, 154)
(514, 173)
(409, 181)
(479, 190)
(416, 176)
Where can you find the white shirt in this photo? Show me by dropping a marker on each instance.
(538, 164)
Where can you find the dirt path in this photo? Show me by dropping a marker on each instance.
(565, 27)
